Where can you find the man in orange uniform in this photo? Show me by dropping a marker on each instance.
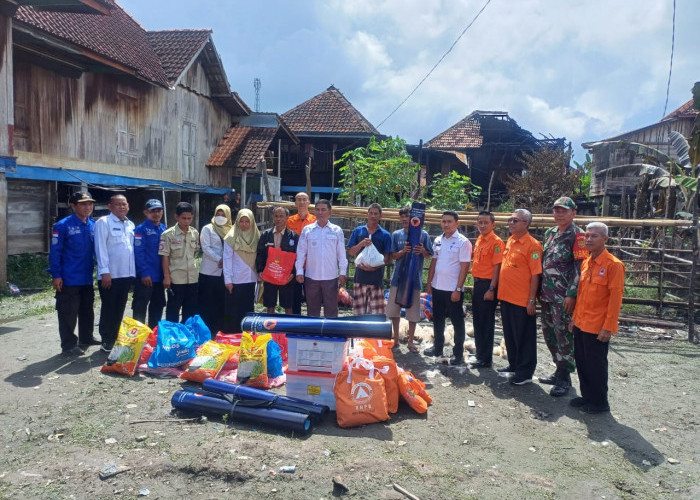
(519, 280)
(595, 319)
(297, 223)
(486, 267)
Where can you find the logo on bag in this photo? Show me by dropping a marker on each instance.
(415, 221)
(361, 393)
(133, 333)
(270, 324)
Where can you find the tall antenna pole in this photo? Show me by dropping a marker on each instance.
(257, 85)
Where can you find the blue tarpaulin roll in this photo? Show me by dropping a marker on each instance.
(275, 417)
(315, 410)
(409, 264)
(367, 326)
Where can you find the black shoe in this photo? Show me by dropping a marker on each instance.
(480, 364)
(92, 341)
(432, 352)
(550, 380)
(73, 351)
(106, 348)
(454, 360)
(578, 402)
(559, 390)
(592, 409)
(506, 372)
(520, 380)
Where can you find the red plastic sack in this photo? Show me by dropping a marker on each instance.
(279, 266)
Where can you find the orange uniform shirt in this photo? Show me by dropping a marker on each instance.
(600, 292)
(522, 260)
(295, 223)
(488, 253)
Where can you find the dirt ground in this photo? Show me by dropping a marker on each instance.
(62, 421)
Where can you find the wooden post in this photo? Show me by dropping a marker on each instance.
(693, 270)
(7, 120)
(244, 195)
(308, 177)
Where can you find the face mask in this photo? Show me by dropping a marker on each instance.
(220, 220)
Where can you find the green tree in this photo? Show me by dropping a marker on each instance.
(546, 176)
(585, 180)
(381, 172)
(452, 192)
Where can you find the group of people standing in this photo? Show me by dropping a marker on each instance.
(578, 283)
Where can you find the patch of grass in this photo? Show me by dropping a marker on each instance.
(28, 271)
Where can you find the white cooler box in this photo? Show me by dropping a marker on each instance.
(312, 386)
(316, 354)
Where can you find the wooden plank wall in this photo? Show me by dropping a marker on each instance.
(27, 207)
(80, 118)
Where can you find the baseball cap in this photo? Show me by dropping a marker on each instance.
(565, 202)
(80, 197)
(153, 204)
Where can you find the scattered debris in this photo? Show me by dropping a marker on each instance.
(140, 439)
(327, 452)
(339, 487)
(111, 469)
(659, 429)
(56, 437)
(144, 492)
(401, 443)
(290, 469)
(673, 461)
(538, 414)
(405, 492)
(646, 462)
(169, 420)
(532, 449)
(110, 441)
(471, 402)
(23, 357)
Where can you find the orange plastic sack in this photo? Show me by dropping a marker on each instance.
(208, 362)
(127, 349)
(391, 381)
(363, 348)
(360, 395)
(413, 392)
(383, 347)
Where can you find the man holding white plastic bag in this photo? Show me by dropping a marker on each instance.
(370, 245)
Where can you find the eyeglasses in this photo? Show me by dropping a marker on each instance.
(513, 220)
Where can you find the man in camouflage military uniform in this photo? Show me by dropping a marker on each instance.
(563, 252)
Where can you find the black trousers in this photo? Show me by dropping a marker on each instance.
(298, 297)
(74, 304)
(520, 334)
(237, 304)
(212, 294)
(443, 307)
(181, 297)
(112, 310)
(592, 366)
(484, 316)
(151, 298)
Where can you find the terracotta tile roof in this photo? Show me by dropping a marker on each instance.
(683, 111)
(117, 37)
(328, 113)
(242, 147)
(466, 133)
(176, 48)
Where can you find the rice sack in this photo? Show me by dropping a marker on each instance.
(127, 349)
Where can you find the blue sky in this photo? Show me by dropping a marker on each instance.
(581, 69)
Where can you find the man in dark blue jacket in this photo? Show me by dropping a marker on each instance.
(148, 289)
(281, 237)
(72, 261)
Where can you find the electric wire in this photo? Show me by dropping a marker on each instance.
(670, 68)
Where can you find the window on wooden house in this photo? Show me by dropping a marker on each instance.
(189, 151)
(127, 127)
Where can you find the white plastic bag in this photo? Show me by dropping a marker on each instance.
(370, 256)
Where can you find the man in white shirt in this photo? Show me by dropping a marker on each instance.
(114, 248)
(448, 270)
(320, 256)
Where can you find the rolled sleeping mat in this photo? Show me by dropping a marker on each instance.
(367, 326)
(193, 402)
(317, 411)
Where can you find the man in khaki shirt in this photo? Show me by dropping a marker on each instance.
(179, 246)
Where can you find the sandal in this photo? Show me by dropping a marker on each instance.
(412, 348)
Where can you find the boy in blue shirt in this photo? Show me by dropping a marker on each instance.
(148, 289)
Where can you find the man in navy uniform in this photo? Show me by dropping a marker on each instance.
(148, 288)
(72, 261)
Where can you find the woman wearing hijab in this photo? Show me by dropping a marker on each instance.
(240, 277)
(212, 291)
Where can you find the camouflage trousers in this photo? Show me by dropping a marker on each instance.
(557, 336)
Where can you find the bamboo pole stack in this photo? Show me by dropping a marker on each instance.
(433, 217)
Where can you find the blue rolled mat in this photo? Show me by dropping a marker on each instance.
(368, 326)
(315, 410)
(198, 403)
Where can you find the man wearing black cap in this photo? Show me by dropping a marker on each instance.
(72, 261)
(564, 250)
(148, 288)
